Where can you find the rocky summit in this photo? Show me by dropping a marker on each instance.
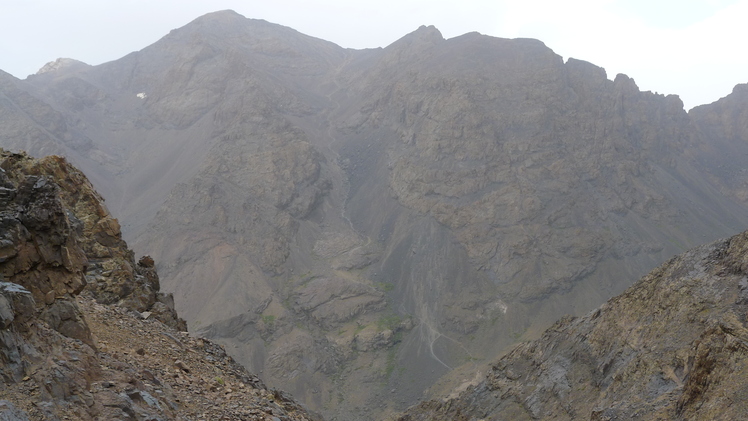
(368, 228)
(85, 332)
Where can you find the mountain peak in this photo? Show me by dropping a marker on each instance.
(425, 34)
(59, 64)
(423, 37)
(220, 16)
(740, 88)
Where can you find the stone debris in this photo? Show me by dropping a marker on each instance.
(85, 333)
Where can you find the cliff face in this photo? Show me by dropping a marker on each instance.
(725, 124)
(671, 347)
(352, 222)
(63, 353)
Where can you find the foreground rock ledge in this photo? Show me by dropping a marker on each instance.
(84, 331)
(673, 346)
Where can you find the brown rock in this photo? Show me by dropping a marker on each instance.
(146, 261)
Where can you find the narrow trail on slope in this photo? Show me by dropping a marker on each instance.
(434, 335)
(426, 319)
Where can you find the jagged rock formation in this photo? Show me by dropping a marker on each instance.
(671, 347)
(352, 222)
(63, 355)
(96, 256)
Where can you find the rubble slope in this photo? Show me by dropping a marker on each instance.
(85, 332)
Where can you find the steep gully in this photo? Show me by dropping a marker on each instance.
(424, 305)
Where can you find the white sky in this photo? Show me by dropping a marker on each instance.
(693, 48)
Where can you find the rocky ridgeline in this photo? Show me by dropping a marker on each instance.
(84, 331)
(673, 346)
(353, 222)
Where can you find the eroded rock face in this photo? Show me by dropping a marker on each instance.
(667, 348)
(725, 124)
(42, 252)
(64, 354)
(77, 240)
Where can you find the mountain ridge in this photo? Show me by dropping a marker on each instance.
(411, 209)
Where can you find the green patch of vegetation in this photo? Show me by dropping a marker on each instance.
(268, 319)
(470, 358)
(359, 328)
(390, 321)
(220, 381)
(384, 286)
(390, 363)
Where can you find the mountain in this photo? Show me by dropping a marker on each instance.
(349, 223)
(671, 347)
(84, 331)
(725, 124)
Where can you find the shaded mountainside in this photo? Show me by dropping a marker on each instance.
(725, 124)
(673, 346)
(84, 331)
(352, 222)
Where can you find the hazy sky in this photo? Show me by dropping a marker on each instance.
(693, 48)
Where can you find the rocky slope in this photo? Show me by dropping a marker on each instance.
(673, 346)
(85, 332)
(349, 223)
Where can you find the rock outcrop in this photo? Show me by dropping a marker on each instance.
(89, 249)
(85, 333)
(671, 347)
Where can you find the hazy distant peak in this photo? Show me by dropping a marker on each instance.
(59, 64)
(623, 80)
(229, 20)
(424, 36)
(221, 16)
(426, 33)
(227, 24)
(586, 68)
(740, 89)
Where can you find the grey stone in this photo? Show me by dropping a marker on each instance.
(8, 412)
(6, 313)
